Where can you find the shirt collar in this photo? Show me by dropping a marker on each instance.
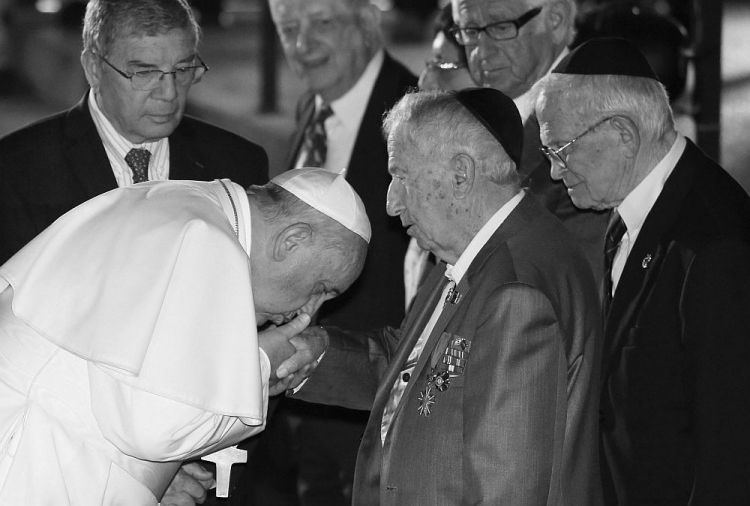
(111, 138)
(638, 203)
(357, 96)
(456, 272)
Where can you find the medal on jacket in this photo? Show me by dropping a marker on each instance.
(453, 364)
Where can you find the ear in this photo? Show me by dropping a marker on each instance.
(629, 135)
(559, 17)
(90, 64)
(463, 175)
(371, 16)
(291, 239)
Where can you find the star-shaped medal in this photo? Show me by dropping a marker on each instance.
(426, 400)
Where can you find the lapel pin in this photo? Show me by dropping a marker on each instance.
(453, 296)
(646, 260)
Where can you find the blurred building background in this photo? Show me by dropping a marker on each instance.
(251, 91)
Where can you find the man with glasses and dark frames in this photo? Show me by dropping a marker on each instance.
(510, 45)
(140, 58)
(675, 381)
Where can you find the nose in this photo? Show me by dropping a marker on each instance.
(556, 170)
(303, 40)
(167, 88)
(393, 203)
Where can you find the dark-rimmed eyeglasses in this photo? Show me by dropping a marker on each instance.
(445, 65)
(146, 80)
(556, 155)
(502, 30)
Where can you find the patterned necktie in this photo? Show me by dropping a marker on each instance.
(315, 144)
(137, 160)
(615, 230)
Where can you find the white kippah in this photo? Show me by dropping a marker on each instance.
(330, 194)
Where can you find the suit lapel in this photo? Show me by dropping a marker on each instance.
(304, 117)
(84, 151)
(645, 259)
(184, 161)
(412, 331)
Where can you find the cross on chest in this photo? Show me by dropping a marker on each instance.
(224, 460)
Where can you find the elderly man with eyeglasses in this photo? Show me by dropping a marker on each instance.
(140, 58)
(510, 45)
(675, 380)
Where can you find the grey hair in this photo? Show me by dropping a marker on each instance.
(644, 101)
(109, 20)
(277, 205)
(439, 127)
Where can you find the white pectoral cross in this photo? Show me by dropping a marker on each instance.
(224, 460)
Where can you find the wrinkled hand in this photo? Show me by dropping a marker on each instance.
(189, 486)
(310, 345)
(275, 341)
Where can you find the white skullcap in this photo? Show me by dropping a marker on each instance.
(330, 194)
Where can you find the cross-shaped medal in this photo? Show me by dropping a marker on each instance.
(224, 460)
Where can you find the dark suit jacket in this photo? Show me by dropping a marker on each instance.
(587, 226)
(377, 297)
(518, 427)
(53, 165)
(676, 361)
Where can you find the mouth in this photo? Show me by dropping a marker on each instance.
(313, 64)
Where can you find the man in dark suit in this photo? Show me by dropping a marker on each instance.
(675, 377)
(510, 45)
(487, 394)
(139, 82)
(336, 48)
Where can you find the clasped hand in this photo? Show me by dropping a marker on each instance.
(294, 356)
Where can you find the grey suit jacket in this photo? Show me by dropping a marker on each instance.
(518, 426)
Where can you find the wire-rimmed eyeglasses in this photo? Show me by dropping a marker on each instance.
(145, 80)
(555, 155)
(445, 65)
(502, 30)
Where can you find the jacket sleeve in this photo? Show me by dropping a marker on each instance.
(351, 369)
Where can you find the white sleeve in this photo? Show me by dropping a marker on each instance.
(152, 427)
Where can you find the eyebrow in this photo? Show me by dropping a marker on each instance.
(143, 64)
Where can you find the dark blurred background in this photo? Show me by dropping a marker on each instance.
(699, 46)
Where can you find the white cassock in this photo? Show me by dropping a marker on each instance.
(128, 343)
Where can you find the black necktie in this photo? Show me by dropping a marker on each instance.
(138, 159)
(315, 144)
(615, 230)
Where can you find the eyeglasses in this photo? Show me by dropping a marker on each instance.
(445, 65)
(555, 155)
(145, 80)
(502, 30)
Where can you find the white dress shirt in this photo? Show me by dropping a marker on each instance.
(635, 207)
(118, 146)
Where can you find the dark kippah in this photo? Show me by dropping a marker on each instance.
(606, 56)
(498, 113)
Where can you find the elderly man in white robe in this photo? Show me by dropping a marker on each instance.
(128, 338)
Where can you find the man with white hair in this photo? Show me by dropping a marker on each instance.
(128, 338)
(487, 392)
(675, 380)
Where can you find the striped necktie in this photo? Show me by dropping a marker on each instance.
(316, 143)
(615, 230)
